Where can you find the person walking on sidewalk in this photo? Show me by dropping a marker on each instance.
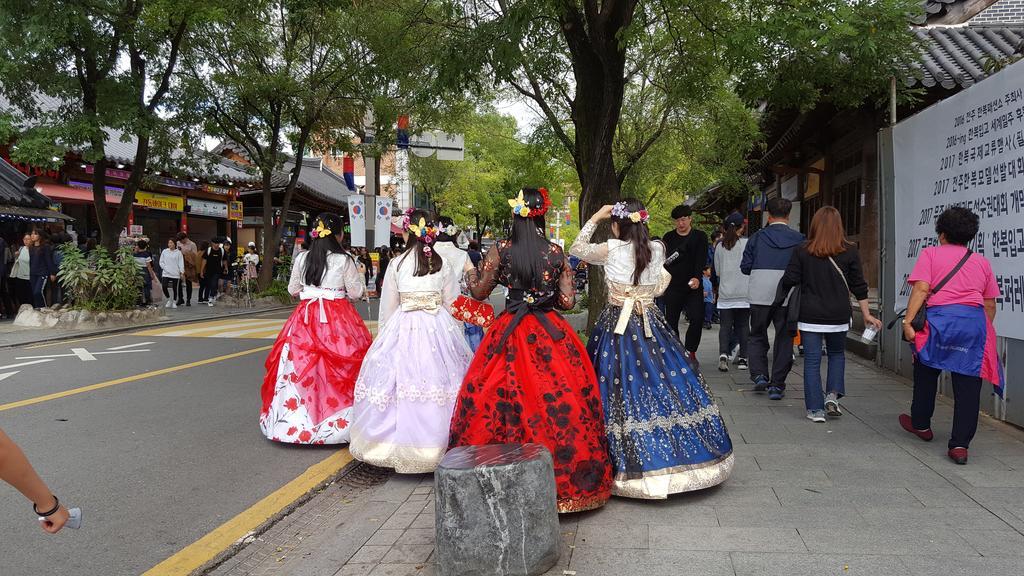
(172, 268)
(687, 247)
(709, 297)
(144, 260)
(826, 270)
(42, 266)
(733, 298)
(665, 433)
(215, 260)
(190, 253)
(958, 290)
(765, 258)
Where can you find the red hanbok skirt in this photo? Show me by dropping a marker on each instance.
(311, 374)
(543, 391)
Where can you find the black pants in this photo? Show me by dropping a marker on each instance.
(172, 288)
(966, 403)
(679, 300)
(761, 317)
(212, 284)
(734, 327)
(185, 291)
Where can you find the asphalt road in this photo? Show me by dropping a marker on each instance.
(155, 462)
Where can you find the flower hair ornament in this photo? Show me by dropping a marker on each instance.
(321, 231)
(423, 230)
(451, 230)
(620, 211)
(520, 208)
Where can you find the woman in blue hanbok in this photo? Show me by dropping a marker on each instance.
(664, 430)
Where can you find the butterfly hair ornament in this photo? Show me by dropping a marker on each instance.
(425, 231)
(524, 210)
(620, 211)
(321, 230)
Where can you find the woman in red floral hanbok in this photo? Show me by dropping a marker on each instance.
(312, 368)
(531, 379)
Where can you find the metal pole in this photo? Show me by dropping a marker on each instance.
(892, 101)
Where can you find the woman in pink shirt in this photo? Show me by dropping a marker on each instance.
(959, 336)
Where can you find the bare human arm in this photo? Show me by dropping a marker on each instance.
(16, 470)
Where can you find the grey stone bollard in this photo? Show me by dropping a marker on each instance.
(496, 511)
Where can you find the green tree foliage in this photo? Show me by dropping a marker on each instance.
(580, 61)
(99, 281)
(108, 64)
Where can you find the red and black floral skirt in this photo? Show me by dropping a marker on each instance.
(539, 390)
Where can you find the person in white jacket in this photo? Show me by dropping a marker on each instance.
(733, 298)
(172, 268)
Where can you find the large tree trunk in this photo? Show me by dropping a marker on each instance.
(270, 239)
(599, 62)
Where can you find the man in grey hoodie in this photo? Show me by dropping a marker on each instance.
(765, 259)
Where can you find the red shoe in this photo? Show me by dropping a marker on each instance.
(908, 425)
(958, 455)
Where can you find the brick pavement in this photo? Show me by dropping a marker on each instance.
(855, 496)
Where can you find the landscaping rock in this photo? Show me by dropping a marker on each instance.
(496, 511)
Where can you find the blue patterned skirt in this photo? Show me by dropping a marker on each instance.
(664, 430)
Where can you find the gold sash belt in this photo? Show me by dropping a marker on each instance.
(631, 298)
(426, 301)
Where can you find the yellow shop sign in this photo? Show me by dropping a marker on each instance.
(160, 201)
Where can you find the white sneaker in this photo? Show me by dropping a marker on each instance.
(832, 405)
(723, 363)
(167, 304)
(816, 415)
(174, 304)
(210, 303)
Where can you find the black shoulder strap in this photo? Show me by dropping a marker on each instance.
(953, 272)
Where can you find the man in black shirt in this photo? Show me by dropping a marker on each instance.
(685, 292)
(214, 269)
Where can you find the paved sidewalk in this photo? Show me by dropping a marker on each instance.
(855, 496)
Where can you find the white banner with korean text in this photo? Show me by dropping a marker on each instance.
(967, 150)
(357, 220)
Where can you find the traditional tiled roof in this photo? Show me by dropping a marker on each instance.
(16, 190)
(958, 56)
(950, 11)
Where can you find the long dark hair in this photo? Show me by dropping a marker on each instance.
(731, 236)
(637, 234)
(527, 243)
(428, 261)
(323, 246)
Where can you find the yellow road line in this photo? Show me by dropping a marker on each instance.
(195, 555)
(126, 379)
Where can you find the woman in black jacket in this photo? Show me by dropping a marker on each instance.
(826, 269)
(42, 267)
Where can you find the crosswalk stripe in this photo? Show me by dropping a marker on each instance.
(212, 327)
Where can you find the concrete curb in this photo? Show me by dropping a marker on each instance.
(119, 329)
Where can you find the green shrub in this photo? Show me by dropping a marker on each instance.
(99, 281)
(278, 289)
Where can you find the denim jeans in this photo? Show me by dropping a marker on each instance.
(835, 343)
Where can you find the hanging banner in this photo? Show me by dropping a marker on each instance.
(967, 150)
(357, 220)
(207, 208)
(160, 201)
(235, 211)
(382, 221)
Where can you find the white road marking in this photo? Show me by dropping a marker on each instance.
(131, 345)
(7, 375)
(83, 354)
(200, 329)
(26, 363)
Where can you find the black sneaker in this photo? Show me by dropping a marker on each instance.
(760, 384)
(741, 363)
(775, 393)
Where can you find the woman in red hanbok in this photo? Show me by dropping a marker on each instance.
(312, 368)
(531, 379)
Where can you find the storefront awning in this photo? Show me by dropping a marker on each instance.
(32, 214)
(61, 193)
